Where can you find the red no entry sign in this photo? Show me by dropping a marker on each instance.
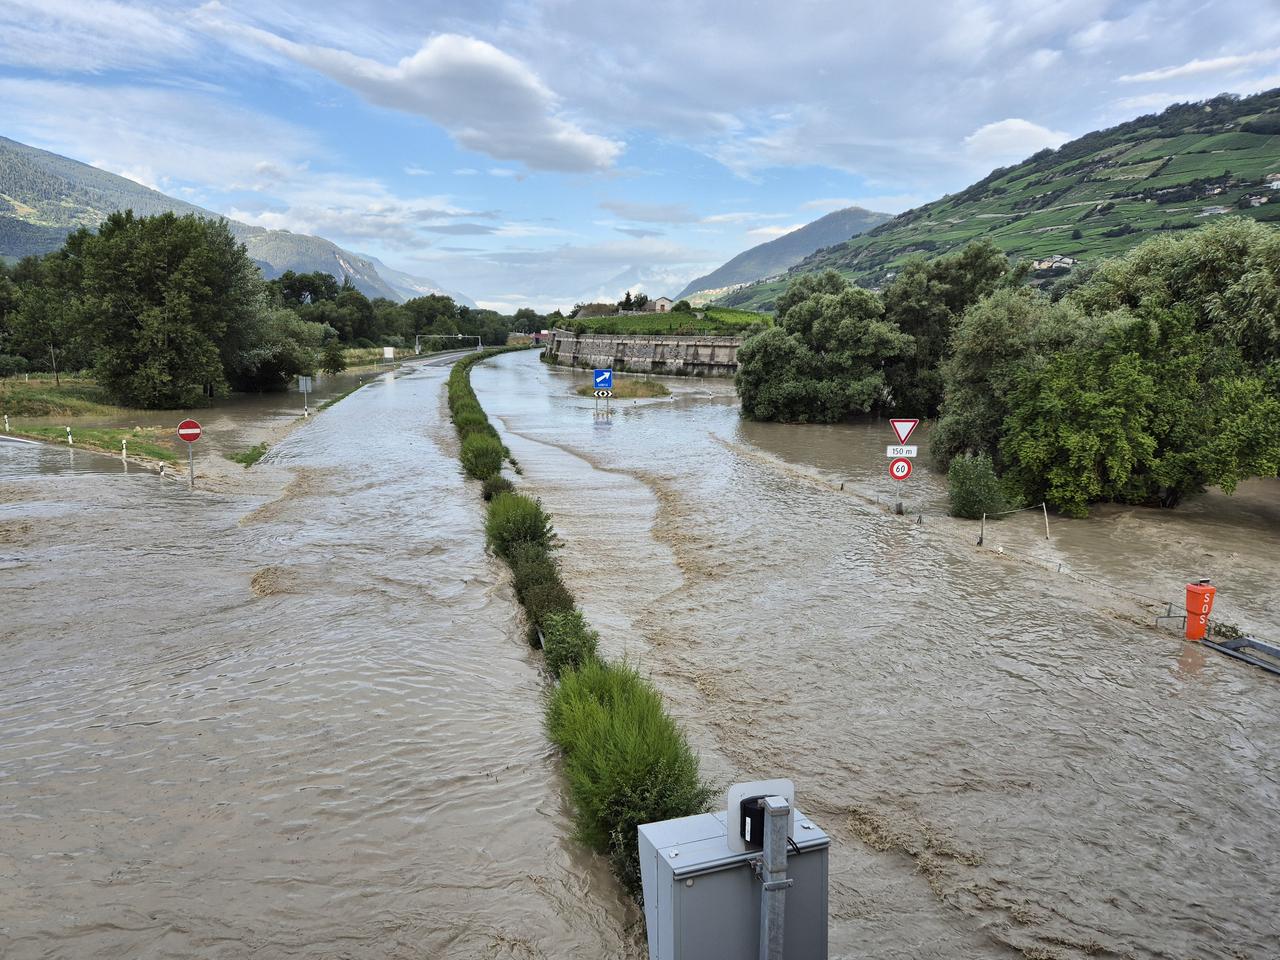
(189, 431)
(900, 468)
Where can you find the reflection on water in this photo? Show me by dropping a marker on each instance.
(1006, 758)
(304, 727)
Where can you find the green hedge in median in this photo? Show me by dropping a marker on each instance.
(627, 762)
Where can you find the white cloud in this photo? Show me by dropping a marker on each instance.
(772, 233)
(828, 204)
(1212, 65)
(650, 212)
(1007, 141)
(486, 99)
(88, 36)
(228, 144)
(413, 171)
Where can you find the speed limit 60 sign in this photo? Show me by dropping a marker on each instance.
(900, 468)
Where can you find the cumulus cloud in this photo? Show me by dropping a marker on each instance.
(486, 99)
(1212, 65)
(1007, 141)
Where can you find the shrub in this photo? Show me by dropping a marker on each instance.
(531, 564)
(626, 761)
(513, 518)
(495, 484)
(567, 641)
(482, 455)
(974, 487)
(543, 600)
(11, 366)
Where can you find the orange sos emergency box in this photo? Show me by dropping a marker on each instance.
(1199, 606)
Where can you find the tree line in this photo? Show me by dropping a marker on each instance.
(167, 311)
(1141, 380)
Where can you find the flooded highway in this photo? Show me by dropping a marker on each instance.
(1012, 761)
(303, 724)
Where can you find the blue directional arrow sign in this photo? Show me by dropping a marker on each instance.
(604, 379)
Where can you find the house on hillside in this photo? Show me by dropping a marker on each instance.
(1055, 262)
(659, 305)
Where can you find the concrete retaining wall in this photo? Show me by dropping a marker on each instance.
(680, 356)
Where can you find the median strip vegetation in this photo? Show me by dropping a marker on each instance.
(626, 761)
(629, 388)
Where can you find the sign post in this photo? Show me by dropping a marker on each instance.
(304, 384)
(603, 381)
(900, 455)
(189, 431)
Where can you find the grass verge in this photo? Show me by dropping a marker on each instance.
(149, 442)
(629, 388)
(626, 761)
(41, 398)
(250, 455)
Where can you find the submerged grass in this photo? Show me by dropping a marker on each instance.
(630, 388)
(626, 761)
(250, 455)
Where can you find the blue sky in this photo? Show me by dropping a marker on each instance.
(548, 151)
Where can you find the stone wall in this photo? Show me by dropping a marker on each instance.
(695, 356)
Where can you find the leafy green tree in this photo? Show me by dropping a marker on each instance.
(163, 292)
(434, 313)
(45, 316)
(1144, 409)
(926, 300)
(281, 347)
(996, 340)
(626, 302)
(332, 359)
(682, 306)
(824, 361)
(1227, 273)
(527, 320)
(299, 289)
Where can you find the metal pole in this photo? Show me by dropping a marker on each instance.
(191, 467)
(773, 874)
(1046, 520)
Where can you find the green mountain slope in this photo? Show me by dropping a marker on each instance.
(44, 196)
(1091, 198)
(775, 256)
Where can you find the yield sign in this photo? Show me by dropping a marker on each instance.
(904, 428)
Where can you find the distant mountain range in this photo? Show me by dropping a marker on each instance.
(44, 196)
(1094, 197)
(775, 256)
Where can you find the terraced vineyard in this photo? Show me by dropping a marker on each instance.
(1091, 198)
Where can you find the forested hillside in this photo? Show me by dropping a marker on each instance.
(1092, 198)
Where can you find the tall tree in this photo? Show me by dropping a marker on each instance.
(926, 300)
(825, 359)
(164, 292)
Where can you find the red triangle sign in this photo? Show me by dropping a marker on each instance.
(904, 428)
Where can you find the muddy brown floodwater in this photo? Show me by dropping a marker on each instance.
(1012, 760)
(304, 724)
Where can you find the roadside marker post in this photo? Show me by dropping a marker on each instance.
(304, 384)
(189, 431)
